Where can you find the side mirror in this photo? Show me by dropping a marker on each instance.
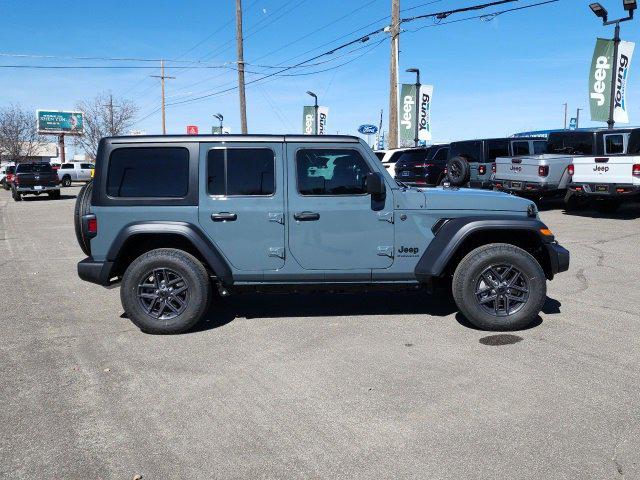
(375, 185)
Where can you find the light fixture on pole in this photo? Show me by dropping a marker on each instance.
(417, 72)
(601, 12)
(315, 111)
(219, 117)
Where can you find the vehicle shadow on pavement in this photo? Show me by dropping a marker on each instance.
(551, 307)
(252, 306)
(626, 212)
(45, 197)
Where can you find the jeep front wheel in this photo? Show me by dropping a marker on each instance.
(499, 287)
(165, 291)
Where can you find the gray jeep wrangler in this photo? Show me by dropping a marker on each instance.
(176, 218)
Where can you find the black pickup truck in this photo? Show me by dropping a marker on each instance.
(34, 179)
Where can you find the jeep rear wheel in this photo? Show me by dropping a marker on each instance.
(165, 291)
(499, 287)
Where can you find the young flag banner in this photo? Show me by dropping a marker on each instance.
(424, 112)
(621, 111)
(323, 114)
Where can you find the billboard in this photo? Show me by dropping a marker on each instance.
(55, 122)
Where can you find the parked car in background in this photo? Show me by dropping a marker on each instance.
(543, 176)
(422, 166)
(390, 157)
(611, 178)
(8, 177)
(34, 179)
(3, 173)
(74, 172)
(470, 162)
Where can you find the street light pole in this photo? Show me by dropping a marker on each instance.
(416, 140)
(219, 117)
(315, 111)
(578, 118)
(601, 12)
(566, 106)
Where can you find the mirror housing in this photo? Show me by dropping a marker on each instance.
(375, 185)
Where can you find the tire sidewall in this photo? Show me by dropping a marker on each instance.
(468, 273)
(464, 167)
(194, 275)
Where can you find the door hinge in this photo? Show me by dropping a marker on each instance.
(385, 251)
(277, 217)
(386, 216)
(276, 252)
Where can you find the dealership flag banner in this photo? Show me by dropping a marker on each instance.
(323, 114)
(621, 111)
(308, 120)
(424, 112)
(602, 79)
(407, 114)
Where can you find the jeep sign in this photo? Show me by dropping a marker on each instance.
(309, 120)
(407, 115)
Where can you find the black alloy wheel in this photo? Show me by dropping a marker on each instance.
(163, 294)
(502, 290)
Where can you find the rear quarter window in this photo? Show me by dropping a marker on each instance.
(148, 172)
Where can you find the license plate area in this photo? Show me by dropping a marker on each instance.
(38, 187)
(602, 188)
(517, 185)
(405, 173)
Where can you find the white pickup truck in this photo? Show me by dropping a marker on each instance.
(548, 175)
(74, 172)
(608, 180)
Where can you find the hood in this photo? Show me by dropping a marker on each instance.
(460, 199)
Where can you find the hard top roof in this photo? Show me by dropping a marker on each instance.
(233, 138)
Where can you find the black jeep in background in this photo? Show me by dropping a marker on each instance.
(422, 166)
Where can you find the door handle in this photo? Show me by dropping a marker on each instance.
(306, 216)
(224, 217)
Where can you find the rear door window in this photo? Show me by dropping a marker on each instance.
(241, 172)
(472, 150)
(498, 148)
(67, 166)
(148, 172)
(539, 147)
(573, 143)
(520, 148)
(86, 165)
(613, 144)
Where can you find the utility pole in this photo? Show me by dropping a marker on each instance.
(162, 78)
(565, 114)
(578, 118)
(394, 32)
(240, 48)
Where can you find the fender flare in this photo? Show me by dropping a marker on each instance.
(451, 233)
(191, 232)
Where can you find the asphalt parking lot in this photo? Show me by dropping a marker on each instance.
(379, 385)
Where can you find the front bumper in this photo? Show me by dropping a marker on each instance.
(605, 189)
(95, 272)
(559, 258)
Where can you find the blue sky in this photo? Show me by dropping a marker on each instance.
(491, 78)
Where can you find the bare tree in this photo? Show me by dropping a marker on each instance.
(19, 137)
(104, 116)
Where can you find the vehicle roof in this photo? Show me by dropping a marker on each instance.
(515, 139)
(234, 138)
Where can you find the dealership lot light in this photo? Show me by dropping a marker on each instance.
(599, 11)
(630, 5)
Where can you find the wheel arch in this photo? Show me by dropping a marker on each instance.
(455, 238)
(138, 238)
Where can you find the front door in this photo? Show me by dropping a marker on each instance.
(333, 223)
(242, 203)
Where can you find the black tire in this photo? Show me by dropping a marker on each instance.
(607, 205)
(572, 202)
(82, 207)
(154, 316)
(17, 196)
(7, 186)
(470, 287)
(458, 171)
(54, 194)
(66, 181)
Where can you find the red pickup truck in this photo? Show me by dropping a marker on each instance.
(34, 179)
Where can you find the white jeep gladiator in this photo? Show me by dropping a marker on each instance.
(608, 180)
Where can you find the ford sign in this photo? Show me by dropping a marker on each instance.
(368, 129)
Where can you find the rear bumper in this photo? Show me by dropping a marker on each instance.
(32, 189)
(605, 189)
(525, 189)
(484, 184)
(559, 258)
(95, 272)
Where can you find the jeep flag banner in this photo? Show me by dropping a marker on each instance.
(601, 81)
(407, 115)
(424, 112)
(309, 120)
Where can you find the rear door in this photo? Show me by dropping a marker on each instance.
(85, 171)
(242, 193)
(333, 223)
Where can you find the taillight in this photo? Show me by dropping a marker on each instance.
(636, 170)
(571, 169)
(493, 168)
(92, 226)
(543, 170)
(482, 169)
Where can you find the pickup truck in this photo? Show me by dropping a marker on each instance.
(75, 172)
(6, 175)
(173, 218)
(608, 180)
(470, 162)
(35, 179)
(543, 176)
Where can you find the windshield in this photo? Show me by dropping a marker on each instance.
(34, 168)
(573, 143)
(380, 155)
